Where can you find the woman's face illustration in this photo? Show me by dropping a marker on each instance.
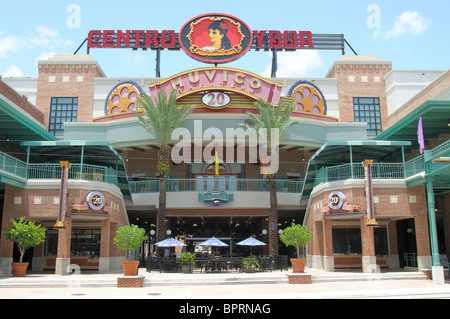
(215, 35)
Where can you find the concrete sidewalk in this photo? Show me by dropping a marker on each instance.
(267, 285)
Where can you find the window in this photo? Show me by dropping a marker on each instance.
(85, 242)
(381, 241)
(62, 109)
(347, 241)
(367, 109)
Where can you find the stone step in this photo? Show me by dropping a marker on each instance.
(73, 281)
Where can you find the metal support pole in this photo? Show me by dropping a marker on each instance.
(81, 161)
(351, 161)
(273, 74)
(28, 162)
(432, 224)
(158, 63)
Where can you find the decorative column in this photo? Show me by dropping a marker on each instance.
(328, 258)
(63, 253)
(105, 244)
(63, 224)
(422, 242)
(369, 260)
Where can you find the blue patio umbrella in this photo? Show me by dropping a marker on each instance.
(251, 242)
(214, 242)
(170, 242)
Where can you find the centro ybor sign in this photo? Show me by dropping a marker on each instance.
(213, 38)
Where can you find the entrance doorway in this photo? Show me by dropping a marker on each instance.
(406, 240)
(230, 230)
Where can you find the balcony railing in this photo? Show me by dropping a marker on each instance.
(76, 171)
(13, 165)
(229, 184)
(356, 170)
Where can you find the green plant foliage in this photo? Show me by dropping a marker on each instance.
(25, 234)
(186, 258)
(250, 262)
(163, 168)
(296, 236)
(129, 238)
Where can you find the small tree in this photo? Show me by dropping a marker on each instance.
(25, 234)
(297, 236)
(129, 238)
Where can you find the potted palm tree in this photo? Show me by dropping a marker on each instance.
(25, 234)
(278, 118)
(129, 238)
(160, 118)
(297, 236)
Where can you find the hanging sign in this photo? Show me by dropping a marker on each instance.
(61, 222)
(370, 219)
(215, 198)
(338, 202)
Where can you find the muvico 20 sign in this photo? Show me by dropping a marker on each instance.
(214, 38)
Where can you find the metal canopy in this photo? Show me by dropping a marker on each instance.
(435, 118)
(336, 153)
(86, 152)
(17, 127)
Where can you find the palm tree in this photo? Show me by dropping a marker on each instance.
(271, 117)
(161, 118)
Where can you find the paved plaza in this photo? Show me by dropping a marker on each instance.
(225, 287)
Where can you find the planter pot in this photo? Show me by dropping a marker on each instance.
(187, 269)
(130, 267)
(19, 269)
(298, 265)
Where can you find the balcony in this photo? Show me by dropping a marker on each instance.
(356, 171)
(227, 184)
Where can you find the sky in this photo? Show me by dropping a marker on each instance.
(412, 34)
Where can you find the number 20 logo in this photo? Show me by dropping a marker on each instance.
(216, 99)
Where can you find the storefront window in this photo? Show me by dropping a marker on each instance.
(51, 243)
(347, 241)
(381, 241)
(85, 242)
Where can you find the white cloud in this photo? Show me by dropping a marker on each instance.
(13, 71)
(295, 63)
(9, 44)
(48, 38)
(409, 22)
(44, 56)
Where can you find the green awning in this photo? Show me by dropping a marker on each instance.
(87, 152)
(435, 120)
(338, 152)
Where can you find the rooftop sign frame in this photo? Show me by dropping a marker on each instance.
(266, 40)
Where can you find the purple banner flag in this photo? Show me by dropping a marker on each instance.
(420, 137)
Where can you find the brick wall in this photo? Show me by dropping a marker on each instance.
(67, 79)
(21, 101)
(360, 78)
(390, 204)
(42, 205)
(441, 84)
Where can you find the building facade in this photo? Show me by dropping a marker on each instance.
(362, 110)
